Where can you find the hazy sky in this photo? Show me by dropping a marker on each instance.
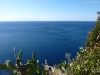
(49, 10)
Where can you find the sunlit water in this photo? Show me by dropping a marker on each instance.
(49, 39)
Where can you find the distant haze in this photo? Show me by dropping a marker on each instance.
(49, 10)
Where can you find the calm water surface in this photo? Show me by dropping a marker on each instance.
(49, 39)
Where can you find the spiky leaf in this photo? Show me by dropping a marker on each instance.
(16, 56)
(10, 65)
(34, 56)
(2, 67)
(20, 54)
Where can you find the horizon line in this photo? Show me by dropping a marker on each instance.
(51, 20)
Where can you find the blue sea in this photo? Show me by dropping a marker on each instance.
(48, 39)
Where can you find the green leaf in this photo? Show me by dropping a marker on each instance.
(28, 61)
(20, 54)
(10, 65)
(32, 62)
(78, 54)
(31, 68)
(63, 68)
(78, 67)
(16, 56)
(53, 69)
(34, 56)
(40, 68)
(86, 62)
(30, 71)
(37, 71)
(2, 67)
(71, 64)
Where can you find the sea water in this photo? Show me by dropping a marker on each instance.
(48, 39)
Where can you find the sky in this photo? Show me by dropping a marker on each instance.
(49, 10)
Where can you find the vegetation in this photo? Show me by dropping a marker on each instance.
(86, 62)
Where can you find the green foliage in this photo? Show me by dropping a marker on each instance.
(94, 36)
(87, 61)
(32, 66)
(10, 65)
(34, 56)
(3, 67)
(52, 69)
(18, 56)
